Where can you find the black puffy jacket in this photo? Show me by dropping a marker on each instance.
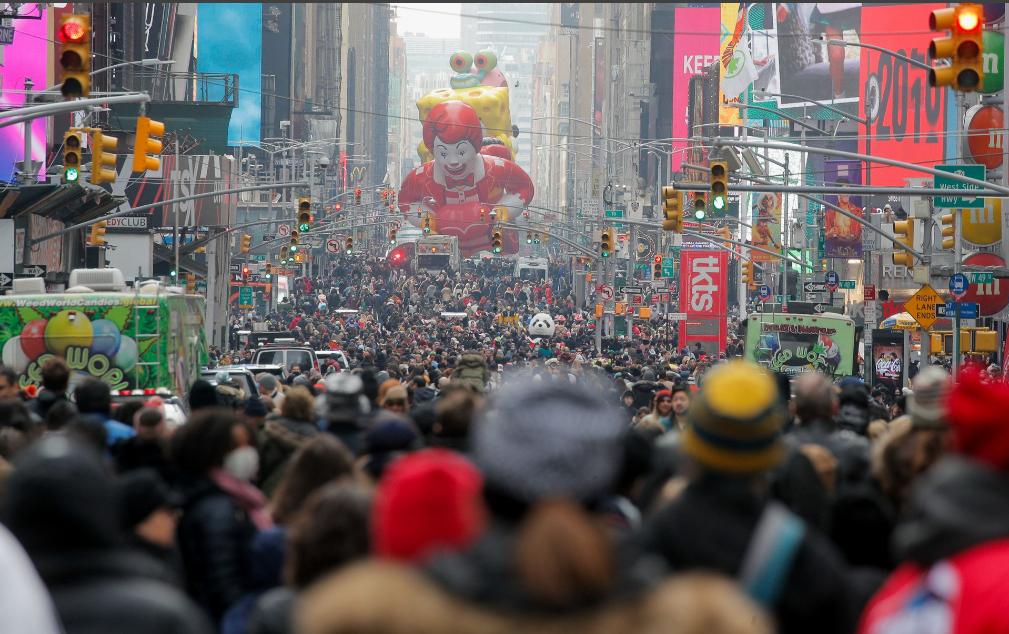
(214, 535)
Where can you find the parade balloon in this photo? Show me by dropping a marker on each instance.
(106, 338)
(14, 355)
(541, 325)
(68, 328)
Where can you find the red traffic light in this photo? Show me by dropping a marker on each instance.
(658, 259)
(968, 19)
(72, 32)
(338, 207)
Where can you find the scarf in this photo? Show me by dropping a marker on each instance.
(249, 498)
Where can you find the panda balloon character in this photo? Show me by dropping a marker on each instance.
(541, 325)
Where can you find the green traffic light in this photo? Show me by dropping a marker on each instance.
(718, 203)
(294, 248)
(606, 254)
(699, 214)
(71, 174)
(172, 274)
(303, 227)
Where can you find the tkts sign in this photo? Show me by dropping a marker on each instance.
(704, 298)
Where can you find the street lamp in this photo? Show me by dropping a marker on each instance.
(759, 94)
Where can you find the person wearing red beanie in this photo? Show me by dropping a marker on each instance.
(427, 501)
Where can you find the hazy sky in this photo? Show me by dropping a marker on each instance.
(429, 18)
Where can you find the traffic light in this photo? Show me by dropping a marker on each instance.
(285, 253)
(903, 231)
(190, 283)
(71, 156)
(700, 205)
(102, 157)
(948, 222)
(672, 209)
(75, 57)
(529, 237)
(425, 224)
(144, 145)
(338, 207)
(350, 245)
(245, 243)
(746, 273)
(245, 271)
(295, 239)
(268, 270)
(606, 242)
(719, 185)
(496, 245)
(357, 196)
(392, 236)
(657, 267)
(98, 231)
(536, 238)
(963, 48)
(304, 214)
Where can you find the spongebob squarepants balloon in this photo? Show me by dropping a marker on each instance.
(468, 180)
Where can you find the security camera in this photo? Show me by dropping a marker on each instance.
(324, 162)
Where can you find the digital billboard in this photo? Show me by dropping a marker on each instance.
(842, 235)
(695, 47)
(906, 116)
(229, 40)
(815, 70)
(25, 58)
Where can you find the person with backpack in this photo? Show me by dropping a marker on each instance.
(724, 520)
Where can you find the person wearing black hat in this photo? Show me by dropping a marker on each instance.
(61, 504)
(149, 517)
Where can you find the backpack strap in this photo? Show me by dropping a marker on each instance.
(769, 556)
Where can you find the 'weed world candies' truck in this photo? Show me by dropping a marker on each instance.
(144, 338)
(792, 344)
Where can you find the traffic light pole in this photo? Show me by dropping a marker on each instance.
(20, 115)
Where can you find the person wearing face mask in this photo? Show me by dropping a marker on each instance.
(222, 511)
(660, 419)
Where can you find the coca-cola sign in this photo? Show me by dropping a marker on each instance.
(704, 298)
(888, 358)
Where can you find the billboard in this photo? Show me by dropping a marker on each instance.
(230, 40)
(704, 297)
(842, 235)
(25, 58)
(907, 117)
(767, 225)
(695, 47)
(888, 358)
(733, 22)
(815, 70)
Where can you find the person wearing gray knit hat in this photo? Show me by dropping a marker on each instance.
(927, 403)
(549, 438)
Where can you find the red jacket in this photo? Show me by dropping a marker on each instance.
(964, 594)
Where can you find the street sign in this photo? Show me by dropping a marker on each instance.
(815, 287)
(958, 285)
(332, 246)
(245, 297)
(676, 316)
(667, 267)
(943, 182)
(258, 257)
(234, 268)
(269, 237)
(284, 230)
(764, 292)
(966, 310)
(847, 285)
(982, 278)
(822, 308)
(606, 292)
(869, 292)
(6, 280)
(831, 281)
(33, 270)
(630, 290)
(921, 306)
(615, 213)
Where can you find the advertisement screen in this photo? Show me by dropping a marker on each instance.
(815, 70)
(25, 58)
(219, 50)
(842, 235)
(907, 117)
(888, 358)
(792, 344)
(695, 47)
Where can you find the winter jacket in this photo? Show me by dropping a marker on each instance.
(709, 527)
(850, 449)
(111, 590)
(279, 440)
(471, 369)
(214, 536)
(955, 545)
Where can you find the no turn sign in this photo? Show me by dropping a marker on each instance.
(284, 230)
(332, 246)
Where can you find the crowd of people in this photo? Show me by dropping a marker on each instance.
(461, 476)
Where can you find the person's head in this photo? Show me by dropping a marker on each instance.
(267, 383)
(396, 400)
(149, 423)
(8, 382)
(60, 414)
(734, 434)
(298, 405)
(295, 369)
(60, 498)
(254, 411)
(210, 438)
(55, 375)
(93, 396)
(662, 402)
(627, 399)
(330, 530)
(147, 507)
(680, 399)
(454, 411)
(126, 410)
(815, 398)
(202, 395)
(318, 462)
(927, 405)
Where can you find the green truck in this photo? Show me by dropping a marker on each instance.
(151, 338)
(792, 344)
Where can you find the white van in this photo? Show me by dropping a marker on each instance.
(532, 269)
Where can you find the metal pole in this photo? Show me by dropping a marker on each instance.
(29, 164)
(20, 115)
(958, 258)
(993, 190)
(785, 242)
(175, 193)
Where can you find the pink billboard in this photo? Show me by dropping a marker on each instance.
(26, 57)
(695, 46)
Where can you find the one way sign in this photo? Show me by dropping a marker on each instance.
(815, 287)
(35, 270)
(6, 280)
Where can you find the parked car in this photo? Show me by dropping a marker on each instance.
(287, 356)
